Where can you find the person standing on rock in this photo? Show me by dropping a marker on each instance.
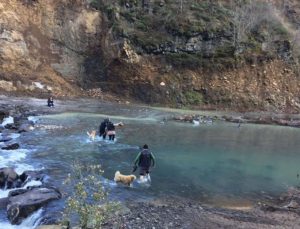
(144, 160)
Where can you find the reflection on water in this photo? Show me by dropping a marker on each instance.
(205, 162)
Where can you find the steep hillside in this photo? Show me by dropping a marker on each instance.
(238, 54)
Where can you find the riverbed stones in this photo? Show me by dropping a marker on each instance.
(5, 139)
(3, 114)
(50, 227)
(32, 175)
(8, 177)
(12, 146)
(22, 205)
(26, 127)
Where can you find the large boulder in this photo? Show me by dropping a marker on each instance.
(8, 178)
(32, 175)
(12, 146)
(24, 204)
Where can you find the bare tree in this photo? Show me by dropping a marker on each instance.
(246, 17)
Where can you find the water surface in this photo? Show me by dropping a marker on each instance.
(207, 163)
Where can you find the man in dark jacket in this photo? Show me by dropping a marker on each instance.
(102, 128)
(144, 160)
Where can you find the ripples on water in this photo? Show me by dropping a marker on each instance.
(199, 162)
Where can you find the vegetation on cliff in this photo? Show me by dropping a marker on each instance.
(189, 32)
(193, 41)
(238, 54)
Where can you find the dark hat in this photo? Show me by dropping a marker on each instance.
(145, 146)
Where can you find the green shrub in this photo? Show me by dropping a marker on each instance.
(88, 203)
(193, 98)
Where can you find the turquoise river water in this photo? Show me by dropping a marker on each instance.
(208, 162)
(219, 163)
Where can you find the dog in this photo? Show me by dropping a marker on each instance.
(124, 179)
(92, 135)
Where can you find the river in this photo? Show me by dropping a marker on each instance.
(216, 163)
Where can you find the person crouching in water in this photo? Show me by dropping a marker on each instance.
(144, 160)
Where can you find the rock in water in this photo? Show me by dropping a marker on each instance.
(8, 177)
(26, 127)
(21, 206)
(13, 146)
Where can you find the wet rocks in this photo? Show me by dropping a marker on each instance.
(33, 175)
(289, 201)
(195, 117)
(26, 127)
(5, 139)
(184, 118)
(12, 146)
(8, 178)
(35, 193)
(25, 203)
(3, 114)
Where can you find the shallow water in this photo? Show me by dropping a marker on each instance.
(219, 163)
(204, 162)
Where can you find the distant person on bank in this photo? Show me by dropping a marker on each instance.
(50, 102)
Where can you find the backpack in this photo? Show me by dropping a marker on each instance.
(145, 159)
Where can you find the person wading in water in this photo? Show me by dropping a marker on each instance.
(144, 160)
(102, 128)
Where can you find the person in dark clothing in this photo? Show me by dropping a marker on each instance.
(50, 102)
(102, 128)
(108, 128)
(144, 160)
(111, 131)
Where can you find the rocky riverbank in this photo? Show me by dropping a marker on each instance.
(33, 106)
(29, 191)
(168, 212)
(183, 213)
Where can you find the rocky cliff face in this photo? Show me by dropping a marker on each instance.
(156, 52)
(44, 45)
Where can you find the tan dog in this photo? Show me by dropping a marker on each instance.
(92, 135)
(124, 179)
(119, 124)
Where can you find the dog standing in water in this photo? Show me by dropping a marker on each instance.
(92, 135)
(124, 179)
